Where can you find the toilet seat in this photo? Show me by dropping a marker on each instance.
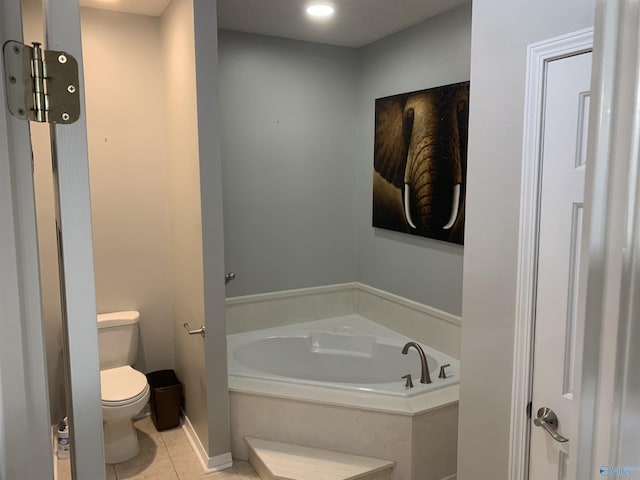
(122, 386)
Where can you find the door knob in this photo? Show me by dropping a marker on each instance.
(548, 420)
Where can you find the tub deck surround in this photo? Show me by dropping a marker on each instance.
(425, 324)
(345, 353)
(424, 446)
(283, 461)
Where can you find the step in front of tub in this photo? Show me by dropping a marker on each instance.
(283, 461)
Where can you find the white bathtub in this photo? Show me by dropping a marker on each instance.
(346, 353)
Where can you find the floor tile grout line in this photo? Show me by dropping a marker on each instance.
(177, 453)
(175, 470)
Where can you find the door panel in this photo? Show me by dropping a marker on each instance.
(75, 250)
(564, 140)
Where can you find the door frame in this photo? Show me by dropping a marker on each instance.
(24, 398)
(610, 402)
(538, 56)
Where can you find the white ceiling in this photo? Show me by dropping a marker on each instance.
(153, 8)
(355, 23)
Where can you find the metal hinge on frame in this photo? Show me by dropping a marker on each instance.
(42, 85)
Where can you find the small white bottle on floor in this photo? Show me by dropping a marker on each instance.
(63, 439)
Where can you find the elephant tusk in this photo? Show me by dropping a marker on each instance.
(455, 205)
(407, 212)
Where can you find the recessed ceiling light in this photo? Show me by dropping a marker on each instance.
(320, 10)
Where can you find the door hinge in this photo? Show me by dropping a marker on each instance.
(41, 85)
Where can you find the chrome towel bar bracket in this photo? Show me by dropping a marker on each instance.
(199, 331)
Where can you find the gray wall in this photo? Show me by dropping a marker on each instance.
(297, 145)
(502, 29)
(288, 111)
(206, 49)
(178, 43)
(433, 53)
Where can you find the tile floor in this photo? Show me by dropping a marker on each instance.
(165, 456)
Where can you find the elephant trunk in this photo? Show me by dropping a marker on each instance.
(433, 173)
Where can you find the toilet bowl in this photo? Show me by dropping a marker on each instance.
(124, 390)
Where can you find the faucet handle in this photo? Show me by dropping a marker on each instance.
(442, 373)
(409, 382)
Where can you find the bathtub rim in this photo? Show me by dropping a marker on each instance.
(408, 406)
(362, 326)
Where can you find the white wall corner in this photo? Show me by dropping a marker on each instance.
(209, 464)
(220, 462)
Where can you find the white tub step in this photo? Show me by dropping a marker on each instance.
(282, 461)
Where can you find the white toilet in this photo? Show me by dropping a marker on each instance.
(125, 391)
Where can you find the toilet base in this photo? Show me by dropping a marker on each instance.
(120, 441)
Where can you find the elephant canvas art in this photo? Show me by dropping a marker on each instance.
(420, 162)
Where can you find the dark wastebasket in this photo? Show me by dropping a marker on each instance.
(166, 393)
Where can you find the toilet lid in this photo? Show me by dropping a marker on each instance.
(122, 385)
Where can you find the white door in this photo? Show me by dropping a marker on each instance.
(20, 443)
(564, 141)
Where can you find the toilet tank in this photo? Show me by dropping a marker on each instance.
(118, 338)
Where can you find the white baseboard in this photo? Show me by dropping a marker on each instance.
(209, 464)
(195, 442)
(451, 477)
(220, 462)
